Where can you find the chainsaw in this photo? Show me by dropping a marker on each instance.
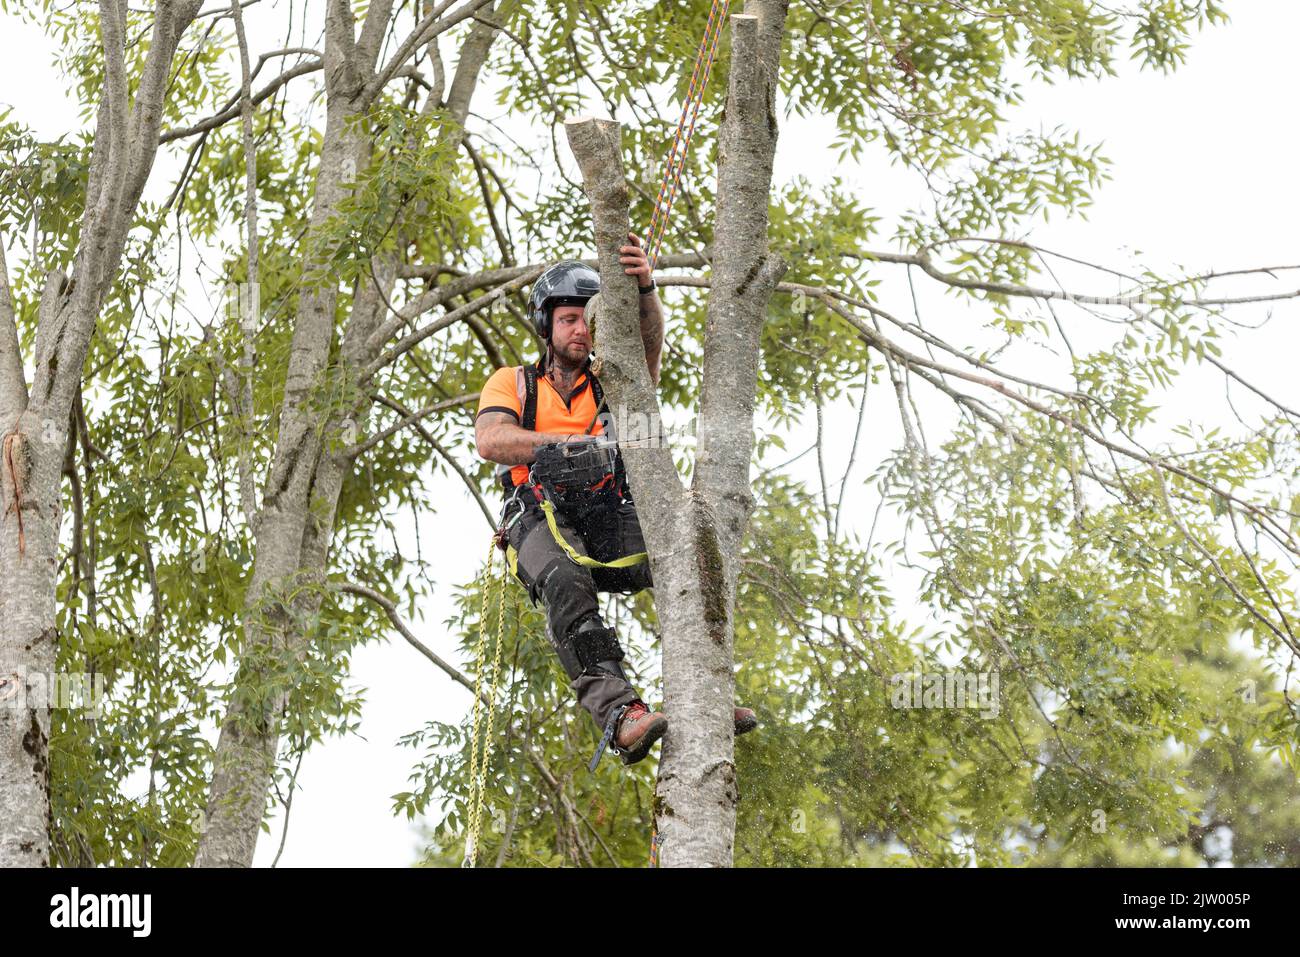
(580, 476)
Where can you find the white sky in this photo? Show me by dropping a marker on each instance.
(1203, 173)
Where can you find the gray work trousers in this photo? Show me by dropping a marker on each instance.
(568, 591)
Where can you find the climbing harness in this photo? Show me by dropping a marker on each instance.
(682, 138)
(478, 753)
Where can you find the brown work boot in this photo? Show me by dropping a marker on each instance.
(638, 729)
(746, 720)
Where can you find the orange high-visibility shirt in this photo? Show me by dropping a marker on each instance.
(505, 390)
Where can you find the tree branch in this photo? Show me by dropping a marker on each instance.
(409, 418)
(378, 20)
(413, 419)
(409, 342)
(616, 310)
(428, 28)
(390, 609)
(923, 260)
(473, 53)
(232, 110)
(1281, 534)
(744, 272)
(248, 303)
(13, 383)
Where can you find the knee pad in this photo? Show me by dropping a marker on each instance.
(596, 644)
(590, 648)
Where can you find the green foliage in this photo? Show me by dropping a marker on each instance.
(539, 800)
(1140, 717)
(411, 180)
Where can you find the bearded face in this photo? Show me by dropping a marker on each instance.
(570, 338)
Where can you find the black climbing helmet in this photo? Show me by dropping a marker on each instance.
(569, 283)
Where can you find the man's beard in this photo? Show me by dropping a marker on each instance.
(573, 355)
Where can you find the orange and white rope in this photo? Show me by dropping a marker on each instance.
(668, 185)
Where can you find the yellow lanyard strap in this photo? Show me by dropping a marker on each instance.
(627, 561)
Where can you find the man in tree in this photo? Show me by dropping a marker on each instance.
(524, 409)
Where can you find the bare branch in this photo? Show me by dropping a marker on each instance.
(409, 342)
(413, 419)
(493, 276)
(232, 110)
(473, 54)
(378, 20)
(503, 244)
(222, 12)
(248, 312)
(171, 21)
(923, 260)
(428, 28)
(410, 418)
(13, 384)
(390, 609)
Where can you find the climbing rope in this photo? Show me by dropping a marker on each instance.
(478, 753)
(682, 138)
(656, 839)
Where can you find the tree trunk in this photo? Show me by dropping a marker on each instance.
(694, 535)
(250, 733)
(36, 423)
(296, 521)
